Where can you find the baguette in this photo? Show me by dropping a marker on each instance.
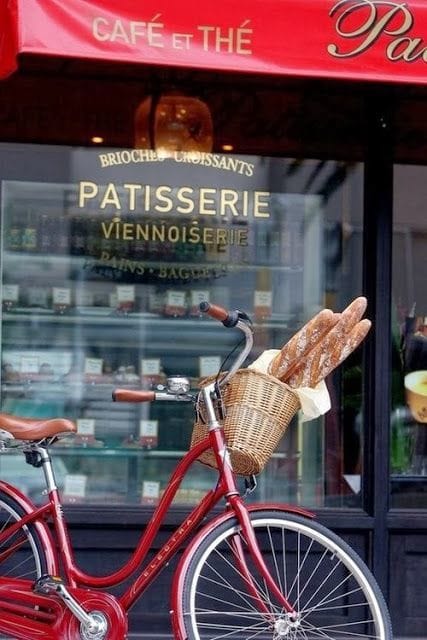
(334, 339)
(324, 358)
(353, 340)
(301, 343)
(354, 312)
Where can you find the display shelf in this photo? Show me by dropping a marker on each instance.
(51, 262)
(85, 312)
(112, 318)
(116, 331)
(409, 479)
(115, 471)
(138, 452)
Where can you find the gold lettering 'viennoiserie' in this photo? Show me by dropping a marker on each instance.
(365, 23)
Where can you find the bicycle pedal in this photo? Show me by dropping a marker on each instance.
(47, 585)
(94, 625)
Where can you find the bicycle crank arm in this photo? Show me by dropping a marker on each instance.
(50, 610)
(94, 625)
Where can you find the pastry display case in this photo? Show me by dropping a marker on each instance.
(86, 310)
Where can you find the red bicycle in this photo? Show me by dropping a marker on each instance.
(252, 572)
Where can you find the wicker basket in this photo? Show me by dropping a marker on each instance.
(259, 408)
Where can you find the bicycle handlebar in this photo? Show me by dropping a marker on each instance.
(236, 319)
(228, 318)
(214, 311)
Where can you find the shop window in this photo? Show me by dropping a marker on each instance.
(105, 257)
(409, 347)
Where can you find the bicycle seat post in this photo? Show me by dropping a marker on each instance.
(45, 463)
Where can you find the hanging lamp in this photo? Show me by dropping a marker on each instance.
(173, 122)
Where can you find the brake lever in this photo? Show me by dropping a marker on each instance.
(250, 484)
(244, 316)
(219, 401)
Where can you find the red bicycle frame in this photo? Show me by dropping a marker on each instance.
(13, 590)
(75, 600)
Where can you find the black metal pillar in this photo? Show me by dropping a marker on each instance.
(378, 212)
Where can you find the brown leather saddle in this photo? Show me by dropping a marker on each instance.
(35, 429)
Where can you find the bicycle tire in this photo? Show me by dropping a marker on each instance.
(332, 590)
(28, 560)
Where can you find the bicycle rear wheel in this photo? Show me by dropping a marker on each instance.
(21, 555)
(331, 589)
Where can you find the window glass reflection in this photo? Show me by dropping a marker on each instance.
(102, 271)
(409, 348)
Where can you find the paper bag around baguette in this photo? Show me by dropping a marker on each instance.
(301, 343)
(314, 401)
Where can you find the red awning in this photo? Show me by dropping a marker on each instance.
(355, 39)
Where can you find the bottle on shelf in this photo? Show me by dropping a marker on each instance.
(14, 229)
(46, 236)
(77, 236)
(29, 232)
(263, 295)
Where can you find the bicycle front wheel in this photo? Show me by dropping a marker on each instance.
(332, 591)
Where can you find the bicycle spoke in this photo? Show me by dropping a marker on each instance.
(308, 579)
(318, 606)
(318, 633)
(285, 573)
(19, 555)
(17, 566)
(232, 565)
(222, 600)
(340, 606)
(255, 629)
(300, 567)
(223, 582)
(349, 634)
(239, 630)
(325, 600)
(6, 524)
(12, 548)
